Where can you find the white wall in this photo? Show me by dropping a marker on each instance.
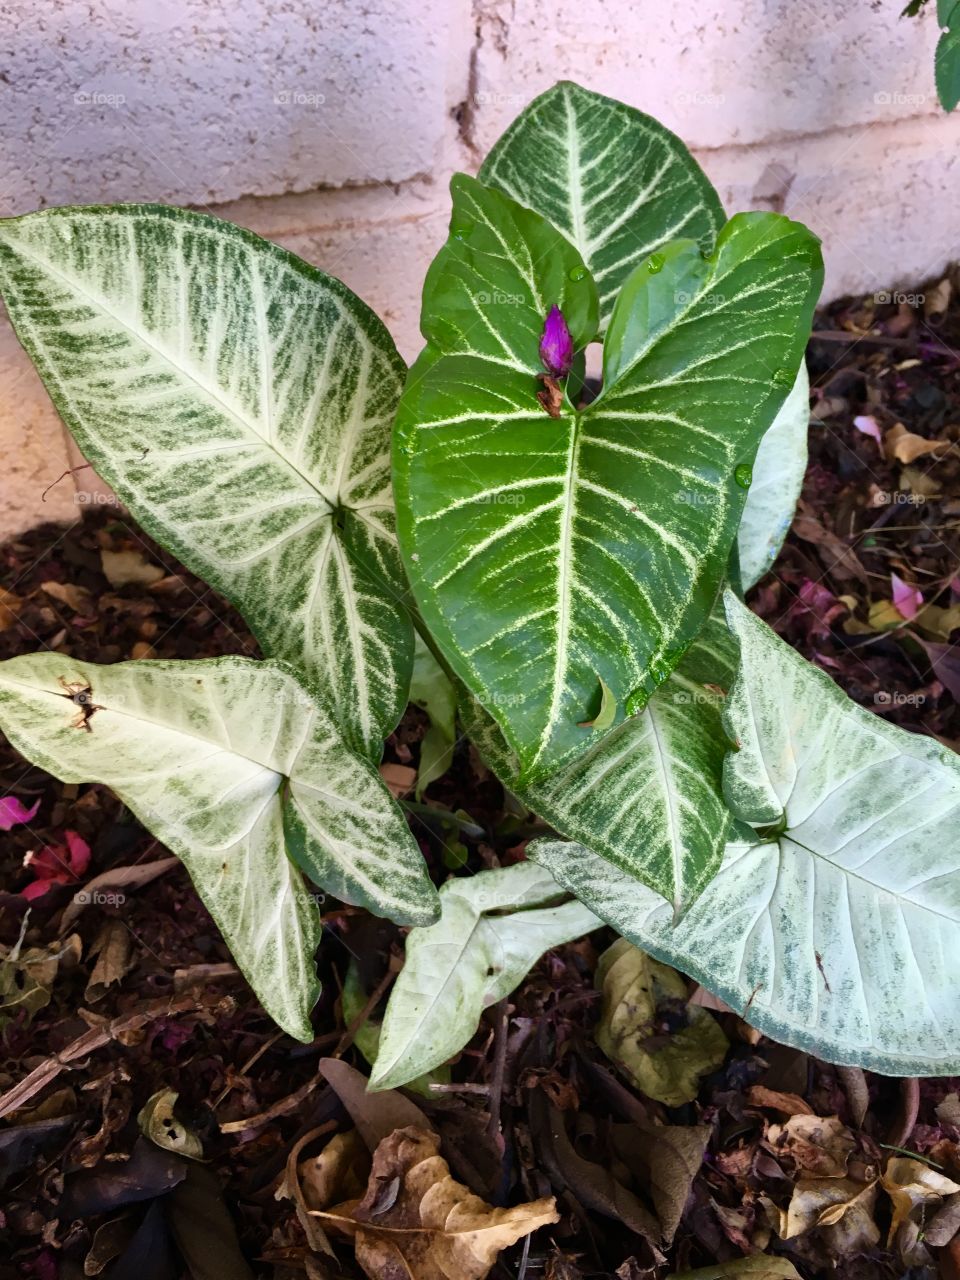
(333, 126)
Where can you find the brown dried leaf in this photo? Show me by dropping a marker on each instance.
(376, 1115)
(665, 1159)
(841, 1206)
(758, 1268)
(788, 1104)
(113, 952)
(338, 1173)
(76, 598)
(818, 1145)
(10, 606)
(416, 1222)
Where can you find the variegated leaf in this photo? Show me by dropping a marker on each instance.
(777, 480)
(839, 932)
(647, 796)
(494, 927)
(240, 402)
(550, 554)
(613, 180)
(221, 759)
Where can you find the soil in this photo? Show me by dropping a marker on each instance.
(143, 974)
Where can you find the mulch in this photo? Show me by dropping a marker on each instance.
(143, 974)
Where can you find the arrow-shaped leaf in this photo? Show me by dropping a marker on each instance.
(549, 553)
(219, 759)
(240, 402)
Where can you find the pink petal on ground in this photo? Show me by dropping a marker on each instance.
(869, 427)
(907, 600)
(56, 864)
(14, 814)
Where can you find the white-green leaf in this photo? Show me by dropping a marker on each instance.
(222, 759)
(777, 480)
(494, 927)
(647, 796)
(548, 554)
(240, 402)
(839, 932)
(613, 180)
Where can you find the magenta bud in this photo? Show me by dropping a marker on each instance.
(556, 345)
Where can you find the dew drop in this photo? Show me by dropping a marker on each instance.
(460, 230)
(577, 273)
(743, 475)
(655, 263)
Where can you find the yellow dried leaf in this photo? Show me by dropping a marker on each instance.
(121, 568)
(76, 598)
(415, 1221)
(840, 1206)
(649, 1028)
(818, 1145)
(903, 446)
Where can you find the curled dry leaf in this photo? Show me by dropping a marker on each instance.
(126, 568)
(158, 1123)
(765, 1268)
(649, 1028)
(416, 1222)
(910, 1184)
(905, 446)
(842, 1207)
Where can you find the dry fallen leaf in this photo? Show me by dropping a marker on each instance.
(416, 1222)
(788, 1104)
(818, 1145)
(125, 568)
(911, 1183)
(841, 1206)
(114, 959)
(665, 1159)
(76, 598)
(158, 1122)
(339, 1172)
(10, 606)
(650, 1030)
(903, 446)
(400, 778)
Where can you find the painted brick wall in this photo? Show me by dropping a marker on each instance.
(333, 128)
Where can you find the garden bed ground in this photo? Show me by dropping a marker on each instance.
(135, 993)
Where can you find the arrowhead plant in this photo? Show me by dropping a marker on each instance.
(572, 558)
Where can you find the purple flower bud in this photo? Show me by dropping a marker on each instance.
(556, 345)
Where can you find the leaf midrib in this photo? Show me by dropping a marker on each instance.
(96, 302)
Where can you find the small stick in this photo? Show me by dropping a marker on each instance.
(96, 1038)
(499, 1067)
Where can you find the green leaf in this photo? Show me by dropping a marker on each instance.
(547, 552)
(947, 64)
(353, 998)
(613, 180)
(778, 473)
(240, 403)
(219, 758)
(839, 934)
(648, 796)
(432, 691)
(493, 928)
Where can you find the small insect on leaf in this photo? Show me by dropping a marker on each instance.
(81, 695)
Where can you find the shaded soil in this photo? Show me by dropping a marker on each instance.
(250, 1093)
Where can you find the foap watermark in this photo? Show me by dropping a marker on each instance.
(501, 499)
(683, 299)
(893, 98)
(500, 299)
(691, 498)
(299, 98)
(310, 898)
(484, 98)
(99, 898)
(894, 698)
(96, 500)
(699, 98)
(897, 498)
(885, 298)
(98, 98)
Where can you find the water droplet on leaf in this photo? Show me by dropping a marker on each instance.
(636, 702)
(743, 475)
(655, 263)
(460, 230)
(577, 273)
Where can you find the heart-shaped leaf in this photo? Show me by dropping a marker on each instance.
(494, 927)
(240, 403)
(837, 931)
(613, 180)
(222, 759)
(550, 553)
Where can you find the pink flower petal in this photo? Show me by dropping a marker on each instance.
(56, 864)
(907, 600)
(79, 853)
(14, 814)
(869, 426)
